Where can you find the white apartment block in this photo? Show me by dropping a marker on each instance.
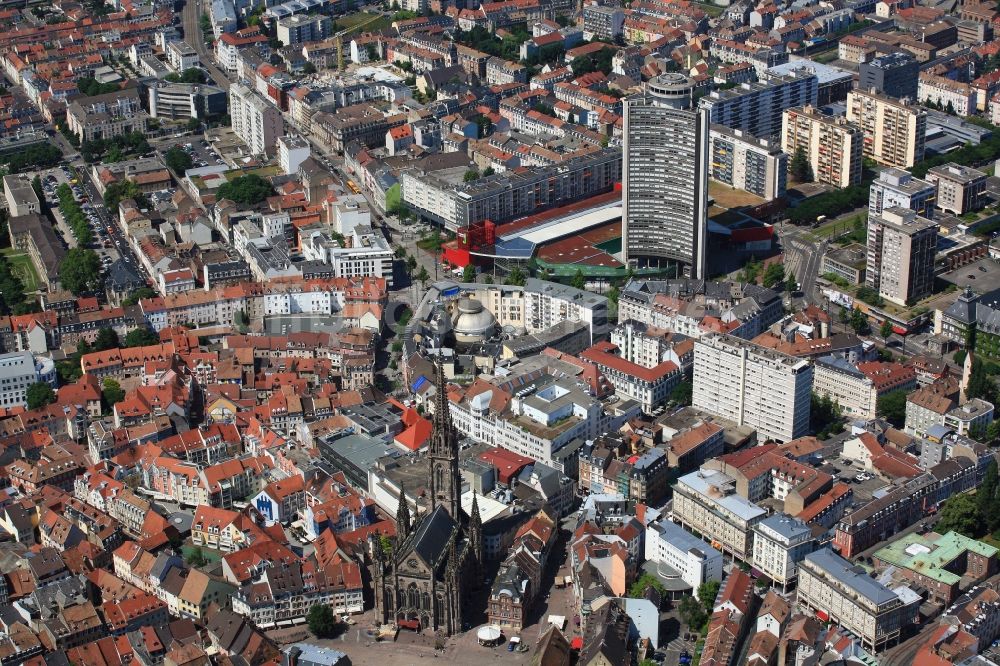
(679, 554)
(901, 250)
(780, 542)
(292, 152)
(894, 131)
(754, 386)
(841, 381)
(181, 56)
(835, 590)
(747, 163)
(830, 143)
(707, 503)
(20, 195)
(17, 373)
(895, 188)
(255, 121)
(366, 254)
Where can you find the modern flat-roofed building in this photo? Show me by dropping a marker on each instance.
(665, 177)
(185, 100)
(20, 195)
(846, 262)
(960, 189)
(837, 591)
(756, 108)
(901, 250)
(892, 74)
(897, 188)
(780, 542)
(17, 373)
(255, 121)
(302, 28)
(745, 162)
(679, 554)
(754, 386)
(706, 502)
(894, 131)
(830, 143)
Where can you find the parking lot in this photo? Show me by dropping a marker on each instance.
(201, 152)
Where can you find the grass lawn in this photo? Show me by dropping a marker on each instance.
(352, 20)
(22, 267)
(208, 553)
(727, 197)
(710, 8)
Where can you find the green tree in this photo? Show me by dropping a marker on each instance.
(80, 271)
(411, 263)
(308, 68)
(178, 160)
(707, 592)
(892, 407)
(106, 339)
(39, 394)
(423, 276)
(578, 280)
(988, 498)
(196, 557)
(141, 337)
(248, 190)
(120, 191)
(112, 392)
(692, 613)
(469, 273)
(981, 385)
(885, 330)
(799, 167)
(488, 171)
(859, 322)
(791, 284)
(992, 433)
(773, 274)
(471, 175)
(645, 581)
(322, 622)
(959, 514)
(682, 393)
(138, 295)
(516, 278)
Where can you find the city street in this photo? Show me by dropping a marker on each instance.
(191, 20)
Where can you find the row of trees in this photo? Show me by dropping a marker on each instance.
(178, 160)
(973, 515)
(116, 148)
(73, 215)
(80, 271)
(39, 156)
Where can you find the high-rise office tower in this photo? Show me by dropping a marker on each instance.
(665, 178)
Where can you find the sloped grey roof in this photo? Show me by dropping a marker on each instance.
(431, 537)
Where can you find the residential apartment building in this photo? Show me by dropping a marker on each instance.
(756, 108)
(707, 503)
(840, 380)
(448, 200)
(600, 22)
(753, 386)
(301, 28)
(650, 387)
(960, 189)
(747, 163)
(682, 306)
(106, 116)
(894, 130)
(840, 592)
(895, 188)
(884, 516)
(665, 177)
(946, 94)
(830, 143)
(901, 250)
(679, 554)
(368, 254)
(255, 121)
(780, 542)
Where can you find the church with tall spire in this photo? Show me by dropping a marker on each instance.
(427, 574)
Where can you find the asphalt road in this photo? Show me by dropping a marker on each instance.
(190, 18)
